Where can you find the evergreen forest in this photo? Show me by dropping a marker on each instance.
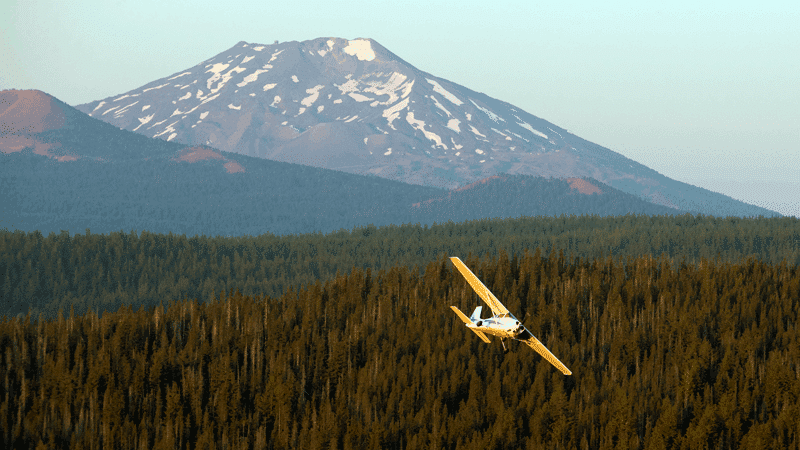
(664, 354)
(101, 272)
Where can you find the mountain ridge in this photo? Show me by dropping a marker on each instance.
(354, 106)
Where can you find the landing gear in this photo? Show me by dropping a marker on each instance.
(505, 349)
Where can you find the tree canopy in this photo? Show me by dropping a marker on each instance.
(664, 355)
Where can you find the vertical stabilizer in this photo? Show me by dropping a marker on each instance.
(476, 315)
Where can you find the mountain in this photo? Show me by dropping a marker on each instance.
(63, 170)
(524, 195)
(354, 106)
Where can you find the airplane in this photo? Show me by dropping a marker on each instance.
(503, 324)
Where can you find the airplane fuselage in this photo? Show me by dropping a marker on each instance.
(502, 327)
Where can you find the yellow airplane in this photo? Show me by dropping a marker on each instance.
(503, 324)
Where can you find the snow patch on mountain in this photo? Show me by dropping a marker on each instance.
(122, 110)
(274, 56)
(389, 88)
(221, 78)
(475, 130)
(208, 99)
(556, 132)
(144, 120)
(439, 105)
(179, 75)
(453, 125)
(110, 109)
(446, 94)
(349, 86)
(169, 128)
(359, 98)
(360, 48)
(216, 68)
(178, 112)
(508, 138)
(394, 112)
(420, 125)
(528, 126)
(157, 87)
(252, 77)
(308, 101)
(494, 117)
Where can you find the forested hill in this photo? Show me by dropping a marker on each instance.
(43, 274)
(172, 192)
(522, 195)
(663, 356)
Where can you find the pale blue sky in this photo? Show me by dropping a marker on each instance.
(703, 93)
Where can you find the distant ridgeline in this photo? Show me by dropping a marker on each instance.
(162, 195)
(663, 355)
(42, 275)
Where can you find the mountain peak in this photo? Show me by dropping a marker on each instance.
(352, 105)
(24, 115)
(28, 111)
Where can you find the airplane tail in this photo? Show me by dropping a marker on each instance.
(476, 315)
(467, 321)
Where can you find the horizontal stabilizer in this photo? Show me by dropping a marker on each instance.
(480, 334)
(542, 350)
(461, 315)
(466, 320)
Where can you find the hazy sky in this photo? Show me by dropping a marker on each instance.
(706, 94)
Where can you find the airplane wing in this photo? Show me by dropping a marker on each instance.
(530, 340)
(482, 291)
